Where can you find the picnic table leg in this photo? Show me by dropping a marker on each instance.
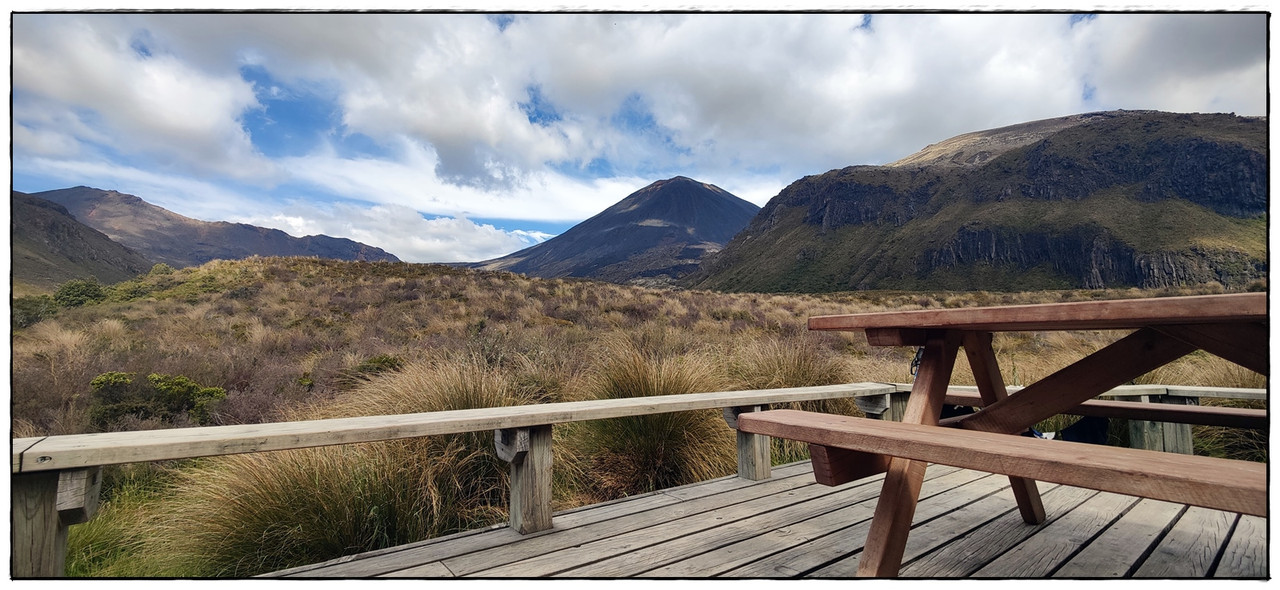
(887, 539)
(986, 372)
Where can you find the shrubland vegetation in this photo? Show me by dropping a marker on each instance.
(270, 339)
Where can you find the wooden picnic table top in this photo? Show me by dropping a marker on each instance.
(1083, 315)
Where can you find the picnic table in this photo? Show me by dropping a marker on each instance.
(1157, 331)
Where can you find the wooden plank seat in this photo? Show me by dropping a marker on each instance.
(1222, 484)
(1155, 412)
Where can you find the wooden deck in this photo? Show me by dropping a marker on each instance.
(966, 525)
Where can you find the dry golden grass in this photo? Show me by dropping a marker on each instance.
(294, 338)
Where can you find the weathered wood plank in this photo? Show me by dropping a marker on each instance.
(530, 505)
(961, 509)
(553, 563)
(979, 546)
(426, 570)
(1085, 315)
(1188, 549)
(723, 527)
(1139, 410)
(1043, 552)
(1246, 553)
(37, 539)
(841, 542)
(110, 448)
(757, 546)
(1224, 484)
(507, 560)
(755, 457)
(78, 494)
(1121, 547)
(18, 446)
(464, 551)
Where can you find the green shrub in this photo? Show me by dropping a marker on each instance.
(165, 397)
(77, 292)
(31, 310)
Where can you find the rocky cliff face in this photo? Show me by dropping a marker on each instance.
(1112, 199)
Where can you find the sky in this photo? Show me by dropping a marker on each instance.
(449, 137)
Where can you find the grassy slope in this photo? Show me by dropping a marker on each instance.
(293, 337)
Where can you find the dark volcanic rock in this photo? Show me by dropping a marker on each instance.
(656, 234)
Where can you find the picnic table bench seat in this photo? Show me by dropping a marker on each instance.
(1222, 484)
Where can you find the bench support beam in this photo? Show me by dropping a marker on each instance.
(986, 372)
(887, 539)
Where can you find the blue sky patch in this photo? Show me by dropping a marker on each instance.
(292, 121)
(502, 21)
(538, 109)
(1080, 18)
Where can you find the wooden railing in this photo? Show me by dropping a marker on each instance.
(55, 480)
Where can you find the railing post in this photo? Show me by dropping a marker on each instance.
(39, 540)
(529, 452)
(1162, 436)
(755, 458)
(885, 406)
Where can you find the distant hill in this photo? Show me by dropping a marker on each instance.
(654, 235)
(1108, 199)
(164, 236)
(49, 247)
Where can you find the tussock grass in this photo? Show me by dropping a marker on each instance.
(639, 454)
(246, 514)
(287, 339)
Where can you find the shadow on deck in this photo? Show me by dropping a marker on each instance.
(966, 525)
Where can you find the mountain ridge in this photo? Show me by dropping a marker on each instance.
(50, 247)
(1119, 198)
(164, 236)
(654, 235)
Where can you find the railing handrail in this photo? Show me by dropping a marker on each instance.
(53, 453)
(73, 451)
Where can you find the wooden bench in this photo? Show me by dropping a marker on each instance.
(1160, 331)
(1200, 415)
(1220, 484)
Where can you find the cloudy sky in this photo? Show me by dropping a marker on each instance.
(462, 137)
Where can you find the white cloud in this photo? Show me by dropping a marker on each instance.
(154, 104)
(749, 102)
(403, 232)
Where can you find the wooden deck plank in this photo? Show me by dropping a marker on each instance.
(816, 553)
(1246, 553)
(388, 561)
(1117, 550)
(963, 556)
(961, 509)
(761, 545)
(551, 563)
(565, 538)
(966, 524)
(1189, 548)
(1051, 546)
